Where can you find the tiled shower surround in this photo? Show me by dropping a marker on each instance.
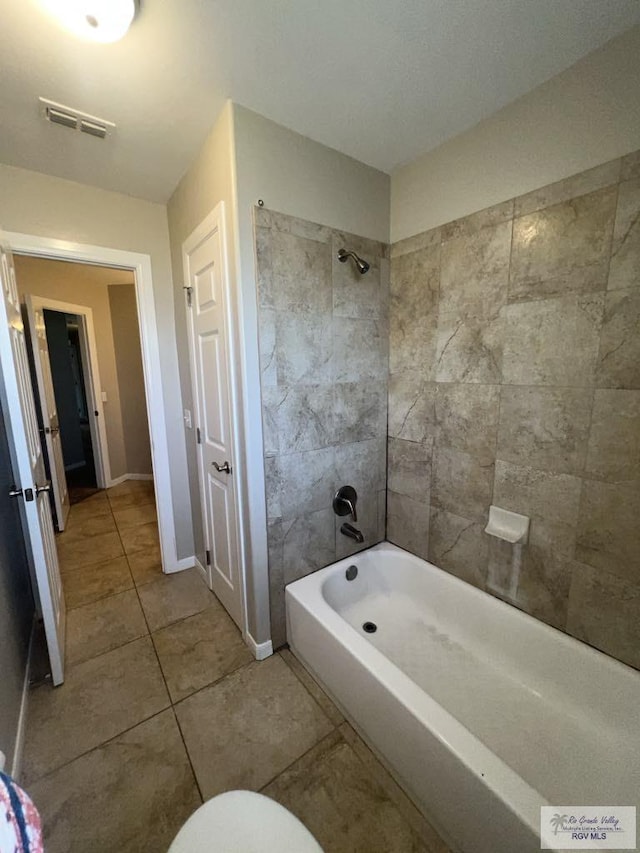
(324, 363)
(515, 380)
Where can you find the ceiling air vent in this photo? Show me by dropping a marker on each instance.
(75, 120)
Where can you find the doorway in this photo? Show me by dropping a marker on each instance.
(68, 373)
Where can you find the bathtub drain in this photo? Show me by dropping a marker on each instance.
(370, 627)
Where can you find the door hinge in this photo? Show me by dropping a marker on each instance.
(188, 291)
(198, 436)
(208, 556)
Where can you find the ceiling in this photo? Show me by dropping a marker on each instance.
(380, 80)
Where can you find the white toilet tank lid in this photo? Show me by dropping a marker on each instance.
(243, 822)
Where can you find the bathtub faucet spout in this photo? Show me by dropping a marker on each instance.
(350, 531)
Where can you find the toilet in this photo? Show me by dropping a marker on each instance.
(243, 822)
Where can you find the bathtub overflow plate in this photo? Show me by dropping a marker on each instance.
(352, 573)
(370, 627)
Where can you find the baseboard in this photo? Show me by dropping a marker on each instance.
(124, 477)
(18, 748)
(261, 651)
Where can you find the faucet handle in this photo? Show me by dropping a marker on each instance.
(344, 502)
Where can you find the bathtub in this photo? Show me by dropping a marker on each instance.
(482, 713)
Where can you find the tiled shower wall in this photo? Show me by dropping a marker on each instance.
(515, 380)
(324, 361)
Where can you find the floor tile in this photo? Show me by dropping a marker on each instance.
(174, 597)
(199, 650)
(146, 566)
(247, 728)
(87, 526)
(91, 583)
(91, 507)
(131, 795)
(99, 699)
(74, 553)
(140, 538)
(334, 795)
(312, 686)
(132, 516)
(104, 625)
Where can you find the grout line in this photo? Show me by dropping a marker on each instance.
(334, 734)
(38, 779)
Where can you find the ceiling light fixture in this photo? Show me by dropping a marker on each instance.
(95, 20)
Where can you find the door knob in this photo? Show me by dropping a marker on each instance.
(226, 467)
(45, 488)
(15, 492)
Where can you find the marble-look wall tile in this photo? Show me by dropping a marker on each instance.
(277, 612)
(604, 611)
(530, 399)
(300, 274)
(304, 418)
(414, 310)
(408, 524)
(473, 223)
(459, 546)
(547, 427)
(273, 486)
(608, 528)
(360, 349)
(469, 349)
(324, 364)
(362, 465)
(303, 348)
(569, 188)
(461, 483)
(618, 364)
(306, 481)
(625, 251)
(474, 271)
(411, 407)
(543, 584)
(550, 500)
(614, 439)
(360, 410)
(409, 466)
(563, 248)
(308, 543)
(367, 524)
(467, 418)
(539, 335)
(356, 295)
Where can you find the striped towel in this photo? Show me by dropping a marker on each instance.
(20, 829)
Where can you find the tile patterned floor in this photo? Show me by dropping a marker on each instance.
(163, 705)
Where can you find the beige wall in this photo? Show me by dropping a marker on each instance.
(583, 117)
(208, 181)
(133, 403)
(41, 205)
(82, 284)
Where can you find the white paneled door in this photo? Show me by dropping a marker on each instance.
(207, 280)
(48, 409)
(27, 460)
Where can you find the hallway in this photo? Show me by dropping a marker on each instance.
(163, 705)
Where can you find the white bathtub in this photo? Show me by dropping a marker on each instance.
(483, 713)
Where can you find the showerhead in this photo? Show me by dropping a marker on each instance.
(362, 266)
